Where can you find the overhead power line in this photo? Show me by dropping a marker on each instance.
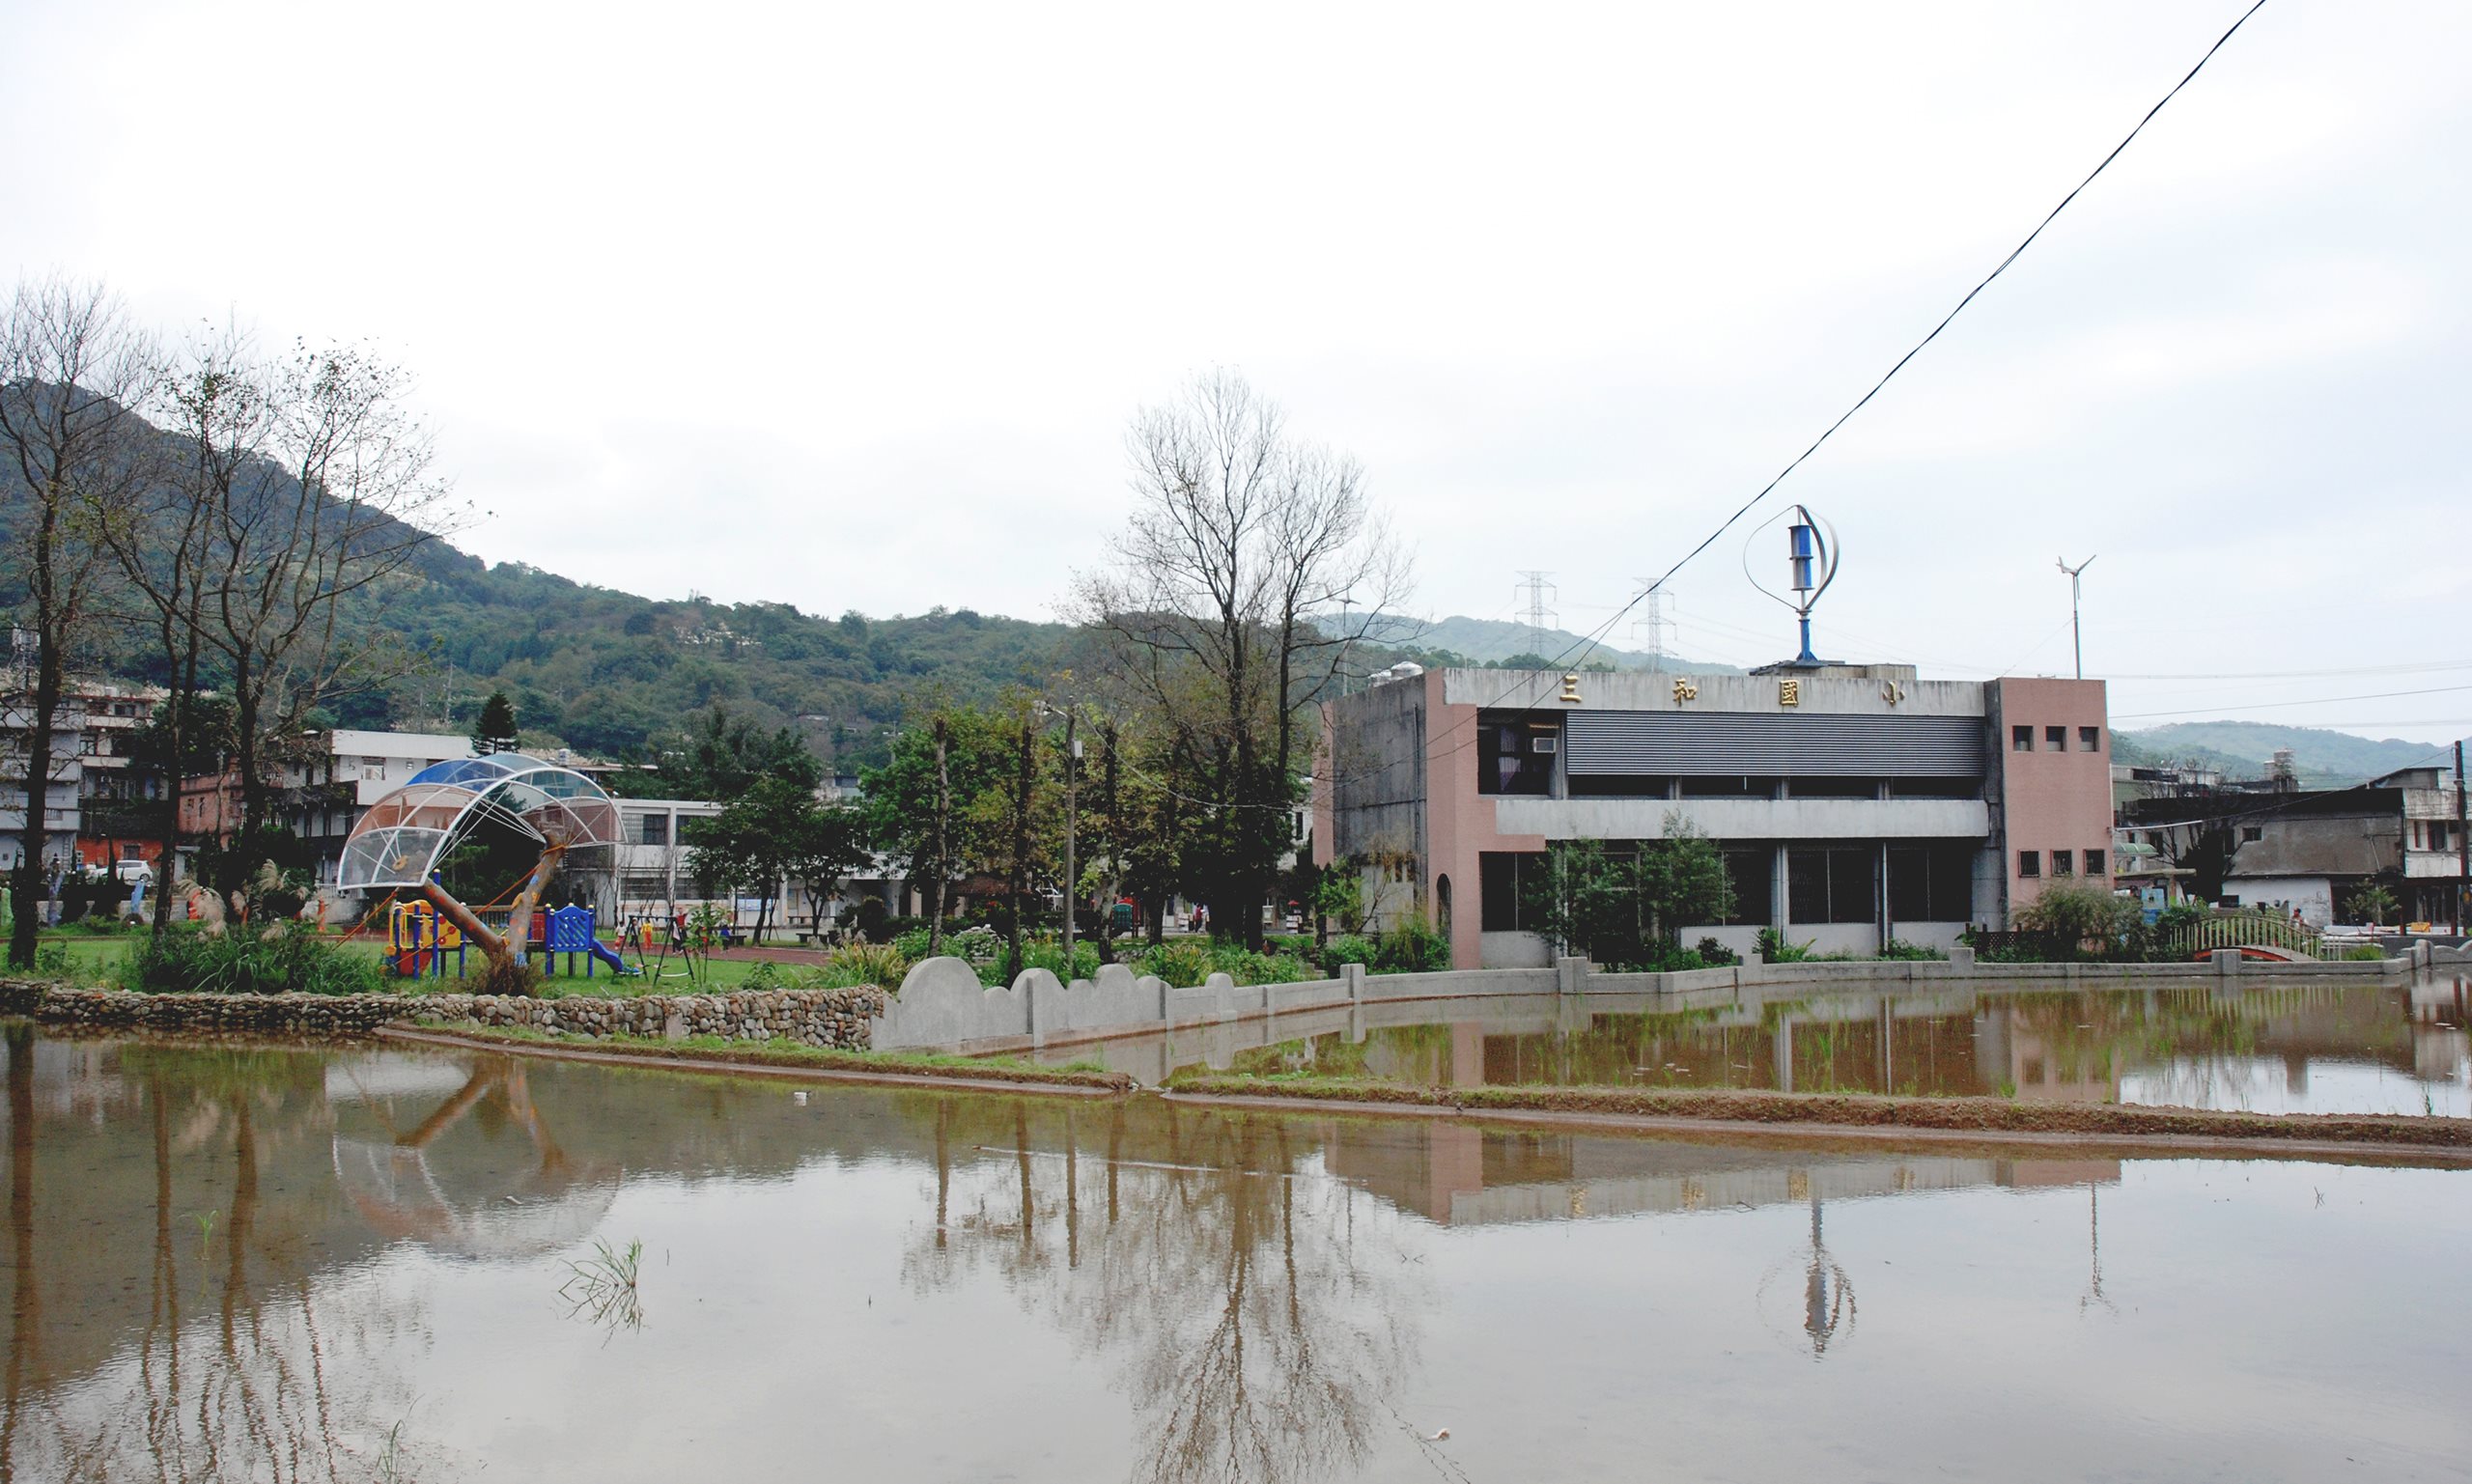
(1578, 653)
(2324, 700)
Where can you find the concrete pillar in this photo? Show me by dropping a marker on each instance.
(1353, 976)
(1962, 960)
(1570, 975)
(2226, 962)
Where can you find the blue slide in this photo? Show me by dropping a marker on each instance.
(607, 955)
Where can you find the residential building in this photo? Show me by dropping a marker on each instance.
(92, 780)
(1853, 803)
(322, 792)
(2308, 850)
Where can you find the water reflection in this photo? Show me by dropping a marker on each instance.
(1257, 1310)
(2265, 1048)
(271, 1264)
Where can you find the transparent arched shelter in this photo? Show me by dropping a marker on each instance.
(406, 834)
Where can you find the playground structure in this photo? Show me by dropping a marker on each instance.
(418, 940)
(405, 838)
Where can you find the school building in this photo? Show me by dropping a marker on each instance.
(1852, 803)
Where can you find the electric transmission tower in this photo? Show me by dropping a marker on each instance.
(1536, 593)
(1650, 630)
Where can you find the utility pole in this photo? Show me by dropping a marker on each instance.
(2463, 845)
(943, 881)
(2076, 638)
(1072, 888)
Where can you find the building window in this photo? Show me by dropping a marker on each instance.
(652, 829)
(2030, 864)
(1619, 786)
(1502, 880)
(2021, 739)
(1932, 882)
(2093, 862)
(1728, 788)
(1829, 886)
(1833, 788)
(1515, 757)
(2252, 832)
(2055, 738)
(1936, 788)
(2089, 739)
(2064, 864)
(1753, 872)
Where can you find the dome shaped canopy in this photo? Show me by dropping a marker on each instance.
(404, 835)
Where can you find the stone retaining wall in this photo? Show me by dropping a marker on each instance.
(828, 1018)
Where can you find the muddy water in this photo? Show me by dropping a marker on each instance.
(2294, 1047)
(268, 1264)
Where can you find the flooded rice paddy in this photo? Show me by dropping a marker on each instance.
(2298, 1047)
(251, 1263)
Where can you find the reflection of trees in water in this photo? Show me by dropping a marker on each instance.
(244, 1367)
(1261, 1314)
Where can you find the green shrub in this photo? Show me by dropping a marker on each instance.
(1912, 953)
(1714, 954)
(1411, 947)
(282, 961)
(2075, 916)
(1348, 949)
(1775, 947)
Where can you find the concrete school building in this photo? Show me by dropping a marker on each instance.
(1853, 803)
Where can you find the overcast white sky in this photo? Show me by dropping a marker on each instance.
(847, 306)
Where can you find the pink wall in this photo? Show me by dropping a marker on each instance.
(1460, 822)
(2051, 800)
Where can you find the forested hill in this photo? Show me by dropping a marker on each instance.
(2244, 749)
(607, 672)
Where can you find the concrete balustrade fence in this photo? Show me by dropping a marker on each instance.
(942, 1005)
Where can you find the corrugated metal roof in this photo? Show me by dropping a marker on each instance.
(1756, 744)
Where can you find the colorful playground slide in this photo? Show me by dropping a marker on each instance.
(603, 951)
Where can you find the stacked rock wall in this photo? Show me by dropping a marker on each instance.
(826, 1018)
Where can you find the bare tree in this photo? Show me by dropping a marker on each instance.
(72, 374)
(1253, 566)
(318, 492)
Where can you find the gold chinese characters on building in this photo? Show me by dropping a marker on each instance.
(1685, 691)
(1790, 692)
(1571, 690)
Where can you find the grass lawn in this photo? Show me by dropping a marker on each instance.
(94, 957)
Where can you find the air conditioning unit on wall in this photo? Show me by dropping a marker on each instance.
(1544, 745)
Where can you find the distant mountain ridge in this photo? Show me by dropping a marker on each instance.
(1491, 641)
(2245, 749)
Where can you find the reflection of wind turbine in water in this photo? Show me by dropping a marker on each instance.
(2094, 1250)
(1828, 1294)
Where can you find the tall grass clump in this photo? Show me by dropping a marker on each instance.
(853, 964)
(283, 959)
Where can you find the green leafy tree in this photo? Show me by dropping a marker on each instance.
(1627, 908)
(726, 755)
(494, 731)
(2372, 903)
(773, 833)
(2206, 851)
(2079, 919)
(924, 804)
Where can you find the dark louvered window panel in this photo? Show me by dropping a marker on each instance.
(1815, 745)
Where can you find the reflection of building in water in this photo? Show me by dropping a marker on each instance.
(2441, 1008)
(1462, 1175)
